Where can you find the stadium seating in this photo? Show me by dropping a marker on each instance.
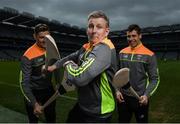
(16, 31)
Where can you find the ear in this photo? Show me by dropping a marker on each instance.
(86, 31)
(140, 36)
(107, 31)
(34, 36)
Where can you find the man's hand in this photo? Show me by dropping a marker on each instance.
(51, 68)
(37, 109)
(119, 97)
(68, 62)
(143, 100)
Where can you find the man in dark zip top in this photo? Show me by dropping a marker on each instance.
(144, 77)
(36, 88)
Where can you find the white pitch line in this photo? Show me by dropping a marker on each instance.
(11, 85)
(17, 86)
(68, 97)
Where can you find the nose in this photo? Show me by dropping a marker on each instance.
(94, 29)
(130, 38)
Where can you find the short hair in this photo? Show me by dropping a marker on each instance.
(134, 27)
(40, 28)
(99, 14)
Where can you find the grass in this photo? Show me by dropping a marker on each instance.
(12, 97)
(164, 104)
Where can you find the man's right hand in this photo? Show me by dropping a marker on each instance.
(119, 97)
(68, 62)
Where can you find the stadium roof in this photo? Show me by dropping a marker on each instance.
(150, 30)
(14, 17)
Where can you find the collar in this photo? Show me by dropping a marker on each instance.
(104, 40)
(89, 46)
(137, 47)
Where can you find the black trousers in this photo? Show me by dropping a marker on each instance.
(77, 115)
(130, 106)
(42, 96)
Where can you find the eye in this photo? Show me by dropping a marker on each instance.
(133, 35)
(128, 36)
(90, 26)
(99, 26)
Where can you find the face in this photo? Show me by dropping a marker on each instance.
(40, 38)
(97, 30)
(133, 38)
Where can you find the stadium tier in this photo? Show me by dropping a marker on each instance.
(16, 31)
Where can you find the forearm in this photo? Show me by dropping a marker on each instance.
(153, 75)
(25, 75)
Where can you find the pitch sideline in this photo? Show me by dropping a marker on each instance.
(10, 116)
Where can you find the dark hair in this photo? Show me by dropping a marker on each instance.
(40, 28)
(134, 27)
(99, 14)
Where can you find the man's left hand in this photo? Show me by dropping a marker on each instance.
(37, 109)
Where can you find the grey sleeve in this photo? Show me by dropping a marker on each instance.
(96, 62)
(153, 75)
(59, 63)
(26, 70)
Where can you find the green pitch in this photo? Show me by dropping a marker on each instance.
(164, 105)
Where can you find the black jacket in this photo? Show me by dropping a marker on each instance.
(31, 77)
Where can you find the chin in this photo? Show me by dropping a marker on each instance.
(42, 46)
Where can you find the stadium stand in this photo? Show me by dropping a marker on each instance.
(16, 31)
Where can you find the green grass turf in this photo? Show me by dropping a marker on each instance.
(164, 104)
(12, 97)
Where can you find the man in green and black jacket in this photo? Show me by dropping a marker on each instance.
(96, 66)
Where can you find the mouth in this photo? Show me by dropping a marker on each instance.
(130, 41)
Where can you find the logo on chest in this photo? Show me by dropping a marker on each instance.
(40, 60)
(139, 57)
(125, 56)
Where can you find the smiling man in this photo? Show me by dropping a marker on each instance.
(144, 77)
